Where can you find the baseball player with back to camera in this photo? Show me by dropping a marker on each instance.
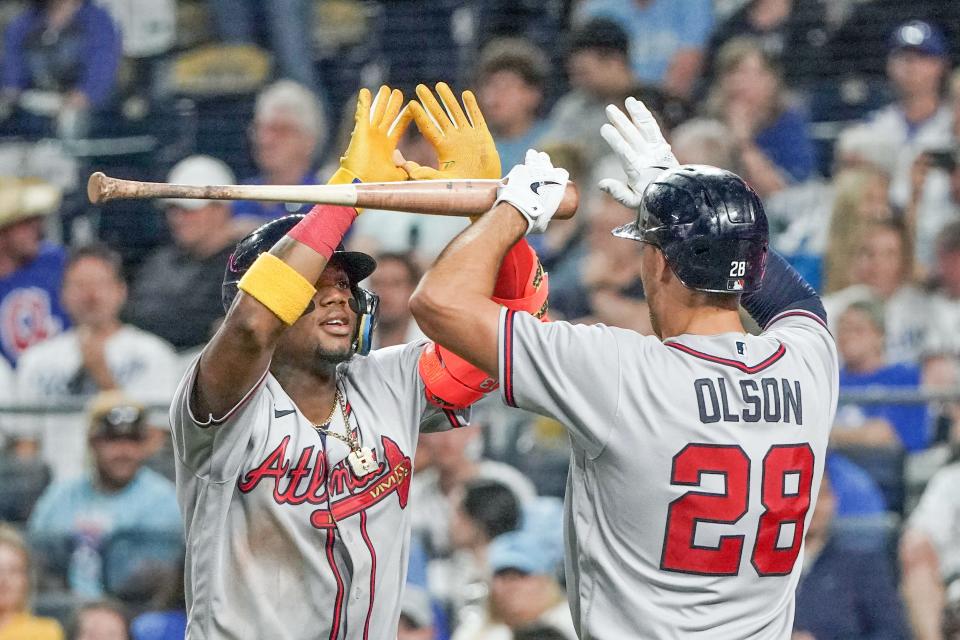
(698, 452)
(294, 445)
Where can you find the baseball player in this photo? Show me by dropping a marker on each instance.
(698, 452)
(294, 444)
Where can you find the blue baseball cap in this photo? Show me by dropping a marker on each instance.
(919, 36)
(523, 551)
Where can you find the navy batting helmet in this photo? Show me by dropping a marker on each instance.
(357, 266)
(709, 225)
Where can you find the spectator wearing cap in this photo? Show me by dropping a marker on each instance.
(99, 353)
(599, 70)
(524, 589)
(511, 80)
(667, 38)
(16, 578)
(118, 493)
(288, 128)
(919, 119)
(861, 345)
(416, 615)
(176, 291)
(31, 269)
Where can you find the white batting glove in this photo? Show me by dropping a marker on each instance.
(641, 148)
(535, 188)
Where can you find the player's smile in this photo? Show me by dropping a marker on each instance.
(338, 325)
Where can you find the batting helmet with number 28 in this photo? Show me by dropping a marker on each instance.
(709, 225)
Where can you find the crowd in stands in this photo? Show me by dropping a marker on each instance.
(843, 115)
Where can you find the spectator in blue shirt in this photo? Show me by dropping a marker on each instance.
(68, 48)
(511, 78)
(119, 493)
(288, 127)
(843, 592)
(749, 96)
(861, 343)
(31, 270)
(667, 38)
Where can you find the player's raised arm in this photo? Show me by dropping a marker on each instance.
(280, 285)
(453, 303)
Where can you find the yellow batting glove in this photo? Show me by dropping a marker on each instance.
(463, 144)
(379, 124)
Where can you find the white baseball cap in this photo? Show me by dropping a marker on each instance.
(198, 170)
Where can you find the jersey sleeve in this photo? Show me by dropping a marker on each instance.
(570, 373)
(214, 447)
(806, 333)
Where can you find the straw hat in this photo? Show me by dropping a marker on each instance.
(24, 198)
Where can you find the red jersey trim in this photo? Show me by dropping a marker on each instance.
(452, 419)
(338, 602)
(373, 571)
(508, 357)
(736, 364)
(797, 312)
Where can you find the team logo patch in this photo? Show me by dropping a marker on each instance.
(26, 318)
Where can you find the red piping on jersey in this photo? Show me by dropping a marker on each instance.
(508, 357)
(338, 603)
(452, 417)
(797, 312)
(776, 355)
(373, 571)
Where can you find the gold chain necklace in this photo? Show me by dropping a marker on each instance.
(360, 458)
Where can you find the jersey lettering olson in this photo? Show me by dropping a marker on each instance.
(356, 494)
(786, 485)
(768, 399)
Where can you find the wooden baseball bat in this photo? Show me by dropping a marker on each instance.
(437, 197)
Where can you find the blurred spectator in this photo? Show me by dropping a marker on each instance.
(930, 554)
(60, 60)
(881, 269)
(934, 197)
(394, 280)
(555, 244)
(856, 493)
(484, 510)
(289, 24)
(859, 198)
(667, 38)
(511, 79)
(456, 460)
(600, 74)
(523, 588)
(100, 620)
(98, 354)
(176, 291)
(416, 615)
(31, 269)
(943, 330)
(289, 126)
(705, 141)
(749, 96)
(844, 592)
(16, 621)
(166, 618)
(860, 342)
(118, 494)
(792, 31)
(919, 119)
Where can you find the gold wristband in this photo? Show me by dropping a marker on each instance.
(277, 286)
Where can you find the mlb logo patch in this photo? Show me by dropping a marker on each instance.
(735, 285)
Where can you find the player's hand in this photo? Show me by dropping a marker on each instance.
(461, 139)
(641, 148)
(379, 124)
(535, 188)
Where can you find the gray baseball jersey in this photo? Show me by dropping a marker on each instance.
(696, 465)
(283, 540)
